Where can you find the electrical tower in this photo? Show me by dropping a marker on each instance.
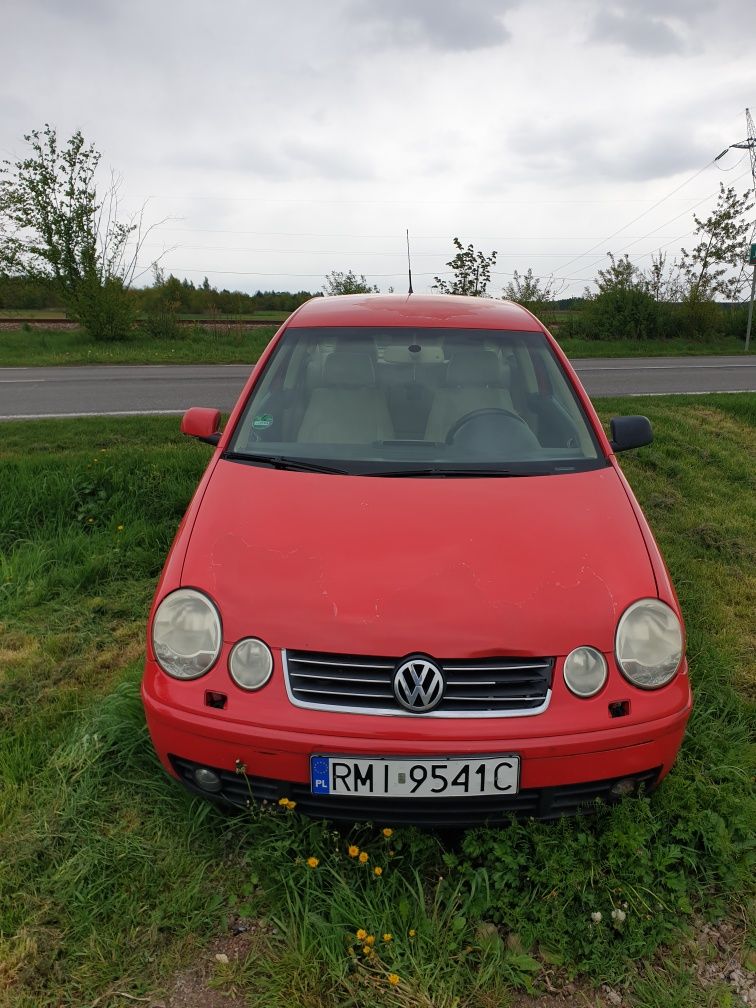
(749, 144)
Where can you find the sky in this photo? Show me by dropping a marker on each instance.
(271, 144)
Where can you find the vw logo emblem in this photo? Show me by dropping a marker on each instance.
(418, 685)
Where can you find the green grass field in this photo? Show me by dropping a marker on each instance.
(196, 345)
(112, 879)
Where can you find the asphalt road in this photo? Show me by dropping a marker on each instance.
(32, 393)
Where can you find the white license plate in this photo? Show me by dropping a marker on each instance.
(412, 777)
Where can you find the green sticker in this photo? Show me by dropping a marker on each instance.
(263, 421)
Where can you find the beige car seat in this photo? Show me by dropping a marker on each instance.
(347, 408)
(475, 379)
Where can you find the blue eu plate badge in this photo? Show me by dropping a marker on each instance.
(319, 774)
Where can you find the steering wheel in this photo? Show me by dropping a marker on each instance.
(475, 416)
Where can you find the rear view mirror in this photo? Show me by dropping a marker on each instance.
(202, 423)
(630, 432)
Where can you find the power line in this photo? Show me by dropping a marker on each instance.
(326, 234)
(645, 212)
(665, 224)
(362, 252)
(408, 202)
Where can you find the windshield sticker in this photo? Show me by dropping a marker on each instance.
(263, 421)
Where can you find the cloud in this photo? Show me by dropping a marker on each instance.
(579, 148)
(447, 25)
(639, 32)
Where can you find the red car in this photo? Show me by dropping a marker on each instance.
(413, 585)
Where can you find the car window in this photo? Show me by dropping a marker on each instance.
(453, 400)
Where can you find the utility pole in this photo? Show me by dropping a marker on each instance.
(749, 144)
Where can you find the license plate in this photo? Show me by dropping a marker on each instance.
(414, 778)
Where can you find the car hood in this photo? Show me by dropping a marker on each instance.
(449, 567)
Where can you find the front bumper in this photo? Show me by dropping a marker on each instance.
(561, 767)
(240, 791)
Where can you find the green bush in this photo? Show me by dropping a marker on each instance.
(104, 310)
(161, 322)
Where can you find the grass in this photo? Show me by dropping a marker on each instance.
(195, 345)
(577, 348)
(111, 878)
(235, 345)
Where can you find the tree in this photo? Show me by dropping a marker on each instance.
(662, 281)
(715, 267)
(472, 272)
(620, 275)
(347, 283)
(53, 224)
(623, 308)
(534, 293)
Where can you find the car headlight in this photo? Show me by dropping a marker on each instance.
(186, 634)
(649, 644)
(585, 671)
(250, 663)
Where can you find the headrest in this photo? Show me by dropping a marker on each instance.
(350, 368)
(474, 367)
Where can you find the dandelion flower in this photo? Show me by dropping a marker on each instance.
(596, 916)
(378, 871)
(120, 528)
(312, 862)
(291, 805)
(367, 950)
(393, 979)
(388, 937)
(353, 851)
(361, 934)
(283, 801)
(370, 940)
(412, 932)
(387, 832)
(363, 856)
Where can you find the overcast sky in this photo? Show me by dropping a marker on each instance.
(287, 140)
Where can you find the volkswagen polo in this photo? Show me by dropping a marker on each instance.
(413, 585)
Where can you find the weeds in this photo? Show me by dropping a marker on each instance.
(111, 877)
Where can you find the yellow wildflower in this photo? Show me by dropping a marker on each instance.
(388, 937)
(393, 979)
(377, 871)
(367, 950)
(283, 801)
(388, 832)
(353, 851)
(312, 862)
(412, 933)
(120, 528)
(370, 940)
(363, 856)
(291, 805)
(361, 934)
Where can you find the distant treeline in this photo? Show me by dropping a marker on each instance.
(181, 297)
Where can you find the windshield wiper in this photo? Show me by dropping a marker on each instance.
(283, 462)
(445, 472)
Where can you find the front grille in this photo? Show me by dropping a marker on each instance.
(240, 791)
(480, 687)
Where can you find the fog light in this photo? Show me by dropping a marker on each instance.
(208, 780)
(623, 788)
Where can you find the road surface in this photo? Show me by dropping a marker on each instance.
(32, 393)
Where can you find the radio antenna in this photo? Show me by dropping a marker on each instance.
(409, 265)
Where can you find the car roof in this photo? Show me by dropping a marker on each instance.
(422, 310)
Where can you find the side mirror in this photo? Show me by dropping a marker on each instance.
(630, 432)
(202, 423)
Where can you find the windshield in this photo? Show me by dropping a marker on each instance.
(399, 401)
